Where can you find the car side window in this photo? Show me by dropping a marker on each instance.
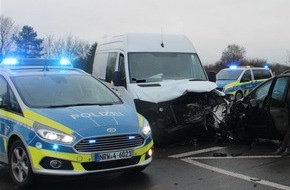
(279, 92)
(3, 92)
(8, 99)
(261, 92)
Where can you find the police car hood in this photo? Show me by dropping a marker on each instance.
(90, 120)
(171, 89)
(222, 83)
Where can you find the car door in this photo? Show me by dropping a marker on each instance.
(279, 104)
(257, 113)
(3, 127)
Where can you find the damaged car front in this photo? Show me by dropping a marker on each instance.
(181, 110)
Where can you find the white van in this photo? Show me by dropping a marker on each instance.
(163, 78)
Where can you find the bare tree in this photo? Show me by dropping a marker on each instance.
(7, 30)
(233, 54)
(288, 58)
(69, 47)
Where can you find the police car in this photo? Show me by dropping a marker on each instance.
(239, 81)
(58, 120)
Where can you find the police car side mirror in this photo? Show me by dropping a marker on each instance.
(117, 78)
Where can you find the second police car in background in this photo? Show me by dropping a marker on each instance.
(58, 120)
(239, 81)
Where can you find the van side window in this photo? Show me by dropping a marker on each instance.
(104, 65)
(246, 76)
(122, 69)
(111, 65)
(99, 68)
(261, 74)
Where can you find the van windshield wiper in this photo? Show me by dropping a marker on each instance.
(138, 80)
(196, 79)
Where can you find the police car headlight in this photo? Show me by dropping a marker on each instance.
(144, 124)
(227, 89)
(52, 134)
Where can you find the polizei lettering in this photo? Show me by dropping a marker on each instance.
(97, 114)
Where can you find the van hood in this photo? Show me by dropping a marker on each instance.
(88, 120)
(169, 90)
(222, 83)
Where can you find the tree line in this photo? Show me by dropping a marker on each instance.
(24, 42)
(236, 55)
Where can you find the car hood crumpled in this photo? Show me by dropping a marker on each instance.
(169, 90)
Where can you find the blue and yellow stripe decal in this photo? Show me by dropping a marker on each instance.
(44, 120)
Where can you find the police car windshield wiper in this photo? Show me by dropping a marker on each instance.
(80, 104)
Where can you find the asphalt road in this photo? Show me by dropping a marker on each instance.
(203, 166)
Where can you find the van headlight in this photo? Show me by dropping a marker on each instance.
(144, 124)
(51, 134)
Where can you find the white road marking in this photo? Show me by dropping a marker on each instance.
(234, 157)
(196, 152)
(236, 175)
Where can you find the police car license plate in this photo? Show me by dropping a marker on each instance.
(107, 156)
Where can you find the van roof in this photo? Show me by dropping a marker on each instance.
(147, 42)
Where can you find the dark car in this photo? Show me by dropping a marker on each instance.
(264, 112)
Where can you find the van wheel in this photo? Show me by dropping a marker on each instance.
(239, 95)
(19, 165)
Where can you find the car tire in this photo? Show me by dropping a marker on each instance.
(19, 165)
(238, 96)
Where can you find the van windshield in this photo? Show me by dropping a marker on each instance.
(156, 67)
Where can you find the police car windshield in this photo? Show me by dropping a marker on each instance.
(229, 74)
(159, 66)
(55, 90)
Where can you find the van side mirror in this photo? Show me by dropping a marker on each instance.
(212, 76)
(117, 78)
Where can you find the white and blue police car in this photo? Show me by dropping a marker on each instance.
(59, 120)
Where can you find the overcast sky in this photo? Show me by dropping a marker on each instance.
(261, 26)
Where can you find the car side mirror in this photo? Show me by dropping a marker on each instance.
(212, 76)
(117, 78)
(253, 102)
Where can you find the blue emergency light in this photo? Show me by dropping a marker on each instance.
(233, 67)
(9, 61)
(14, 63)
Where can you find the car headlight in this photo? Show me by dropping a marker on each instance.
(227, 89)
(51, 134)
(144, 124)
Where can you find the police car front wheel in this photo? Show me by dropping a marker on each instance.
(19, 165)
